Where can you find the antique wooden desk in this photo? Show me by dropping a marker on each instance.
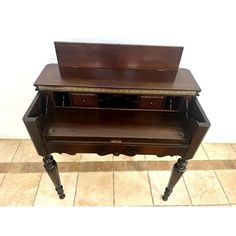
(119, 99)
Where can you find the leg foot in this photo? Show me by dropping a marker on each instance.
(50, 166)
(60, 192)
(177, 171)
(166, 194)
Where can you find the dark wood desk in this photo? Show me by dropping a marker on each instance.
(119, 99)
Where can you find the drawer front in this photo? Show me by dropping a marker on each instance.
(84, 100)
(151, 102)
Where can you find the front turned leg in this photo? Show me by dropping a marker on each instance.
(177, 171)
(50, 166)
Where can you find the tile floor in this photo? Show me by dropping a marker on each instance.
(91, 180)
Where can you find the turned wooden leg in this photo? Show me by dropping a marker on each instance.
(50, 166)
(177, 171)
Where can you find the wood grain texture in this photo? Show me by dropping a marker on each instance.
(96, 124)
(122, 79)
(116, 56)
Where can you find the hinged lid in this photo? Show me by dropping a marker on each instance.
(111, 68)
(73, 57)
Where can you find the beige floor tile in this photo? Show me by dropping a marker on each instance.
(19, 189)
(93, 163)
(86, 157)
(127, 163)
(132, 189)
(165, 158)
(159, 181)
(200, 154)
(66, 157)
(228, 181)
(234, 146)
(47, 195)
(95, 189)
(8, 148)
(219, 151)
(26, 152)
(128, 158)
(204, 188)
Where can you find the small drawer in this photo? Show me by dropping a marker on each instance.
(151, 102)
(83, 100)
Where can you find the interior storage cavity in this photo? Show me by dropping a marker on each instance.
(117, 101)
(173, 103)
(62, 99)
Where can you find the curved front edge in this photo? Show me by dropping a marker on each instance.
(107, 148)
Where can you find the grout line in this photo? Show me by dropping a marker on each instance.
(76, 187)
(187, 191)
(205, 152)
(21, 140)
(77, 179)
(3, 179)
(37, 189)
(222, 187)
(149, 181)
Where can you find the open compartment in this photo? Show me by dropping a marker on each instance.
(173, 103)
(61, 99)
(108, 125)
(117, 101)
(104, 131)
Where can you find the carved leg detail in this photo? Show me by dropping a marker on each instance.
(50, 166)
(177, 171)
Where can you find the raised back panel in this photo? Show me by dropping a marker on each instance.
(116, 56)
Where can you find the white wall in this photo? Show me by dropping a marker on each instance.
(205, 28)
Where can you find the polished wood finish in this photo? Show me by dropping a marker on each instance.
(151, 102)
(51, 168)
(83, 100)
(178, 169)
(117, 79)
(116, 56)
(78, 124)
(116, 99)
